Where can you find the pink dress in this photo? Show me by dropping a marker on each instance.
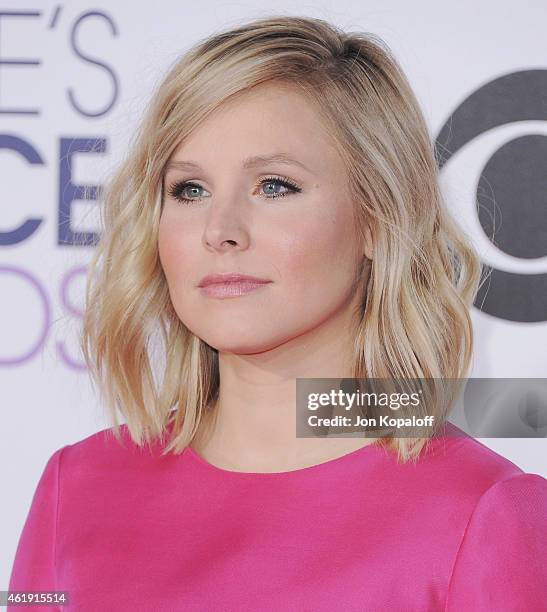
(121, 528)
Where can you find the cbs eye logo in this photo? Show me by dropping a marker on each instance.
(511, 191)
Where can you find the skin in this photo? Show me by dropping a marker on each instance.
(300, 324)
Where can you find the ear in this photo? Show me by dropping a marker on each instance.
(368, 242)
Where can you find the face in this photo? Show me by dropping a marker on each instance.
(288, 222)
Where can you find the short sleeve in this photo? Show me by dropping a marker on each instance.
(501, 564)
(34, 564)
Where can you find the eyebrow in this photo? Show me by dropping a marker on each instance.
(249, 162)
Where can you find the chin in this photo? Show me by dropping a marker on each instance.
(239, 345)
(248, 341)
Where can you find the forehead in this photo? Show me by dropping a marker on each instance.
(269, 117)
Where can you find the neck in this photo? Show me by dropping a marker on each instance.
(252, 426)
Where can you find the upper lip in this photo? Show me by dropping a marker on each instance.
(230, 277)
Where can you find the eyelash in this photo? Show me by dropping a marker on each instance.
(177, 188)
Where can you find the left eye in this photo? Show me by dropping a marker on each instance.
(290, 187)
(179, 192)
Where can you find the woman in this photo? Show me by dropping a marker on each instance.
(293, 153)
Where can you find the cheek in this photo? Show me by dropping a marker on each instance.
(320, 251)
(175, 253)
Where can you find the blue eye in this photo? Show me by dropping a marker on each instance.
(178, 189)
(285, 182)
(181, 190)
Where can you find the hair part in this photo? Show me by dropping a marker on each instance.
(414, 320)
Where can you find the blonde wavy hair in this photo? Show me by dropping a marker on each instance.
(414, 321)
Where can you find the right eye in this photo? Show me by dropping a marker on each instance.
(183, 191)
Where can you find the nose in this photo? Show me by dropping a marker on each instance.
(225, 228)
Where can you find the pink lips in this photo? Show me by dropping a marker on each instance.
(230, 285)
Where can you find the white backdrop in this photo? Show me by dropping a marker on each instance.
(84, 72)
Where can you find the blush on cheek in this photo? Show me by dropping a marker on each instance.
(172, 242)
(322, 242)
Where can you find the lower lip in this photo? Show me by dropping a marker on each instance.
(228, 290)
